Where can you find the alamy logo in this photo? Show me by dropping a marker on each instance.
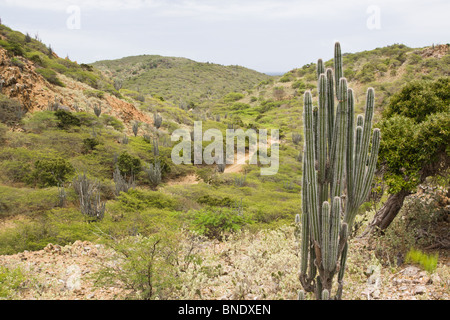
(217, 153)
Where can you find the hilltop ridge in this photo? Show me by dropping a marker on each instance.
(179, 80)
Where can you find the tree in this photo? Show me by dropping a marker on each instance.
(416, 132)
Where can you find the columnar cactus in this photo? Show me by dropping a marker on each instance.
(337, 175)
(98, 110)
(154, 173)
(135, 128)
(157, 120)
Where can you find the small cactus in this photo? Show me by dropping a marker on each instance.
(147, 138)
(240, 181)
(121, 183)
(62, 195)
(154, 173)
(221, 167)
(98, 110)
(89, 196)
(155, 147)
(135, 128)
(296, 138)
(157, 120)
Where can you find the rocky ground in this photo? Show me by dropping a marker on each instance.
(68, 273)
(62, 272)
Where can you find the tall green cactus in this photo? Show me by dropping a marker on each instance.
(337, 175)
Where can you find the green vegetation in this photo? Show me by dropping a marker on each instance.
(50, 76)
(216, 223)
(428, 262)
(179, 79)
(11, 111)
(415, 142)
(11, 281)
(51, 172)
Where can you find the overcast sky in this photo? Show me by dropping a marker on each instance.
(265, 35)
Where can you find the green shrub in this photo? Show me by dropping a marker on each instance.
(16, 62)
(150, 266)
(299, 84)
(137, 200)
(113, 122)
(94, 93)
(37, 59)
(3, 131)
(418, 99)
(60, 226)
(51, 76)
(215, 202)
(232, 97)
(66, 119)
(89, 144)
(51, 172)
(214, 224)
(286, 78)
(13, 48)
(40, 121)
(87, 119)
(239, 106)
(27, 201)
(128, 164)
(11, 111)
(16, 164)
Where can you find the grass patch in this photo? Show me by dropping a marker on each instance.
(427, 262)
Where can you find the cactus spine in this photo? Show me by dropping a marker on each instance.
(338, 169)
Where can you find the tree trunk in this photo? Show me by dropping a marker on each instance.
(388, 212)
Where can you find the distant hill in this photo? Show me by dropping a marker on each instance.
(179, 80)
(278, 103)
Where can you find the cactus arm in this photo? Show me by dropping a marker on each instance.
(340, 131)
(330, 105)
(335, 228)
(305, 226)
(363, 152)
(322, 140)
(350, 145)
(338, 73)
(316, 134)
(325, 244)
(320, 68)
(311, 179)
(372, 164)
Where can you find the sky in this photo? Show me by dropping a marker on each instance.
(265, 35)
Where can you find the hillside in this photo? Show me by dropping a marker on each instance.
(179, 80)
(278, 102)
(32, 74)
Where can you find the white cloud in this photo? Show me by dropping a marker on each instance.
(58, 5)
(263, 34)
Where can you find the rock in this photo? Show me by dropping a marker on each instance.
(73, 281)
(411, 271)
(434, 279)
(376, 294)
(419, 290)
(64, 108)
